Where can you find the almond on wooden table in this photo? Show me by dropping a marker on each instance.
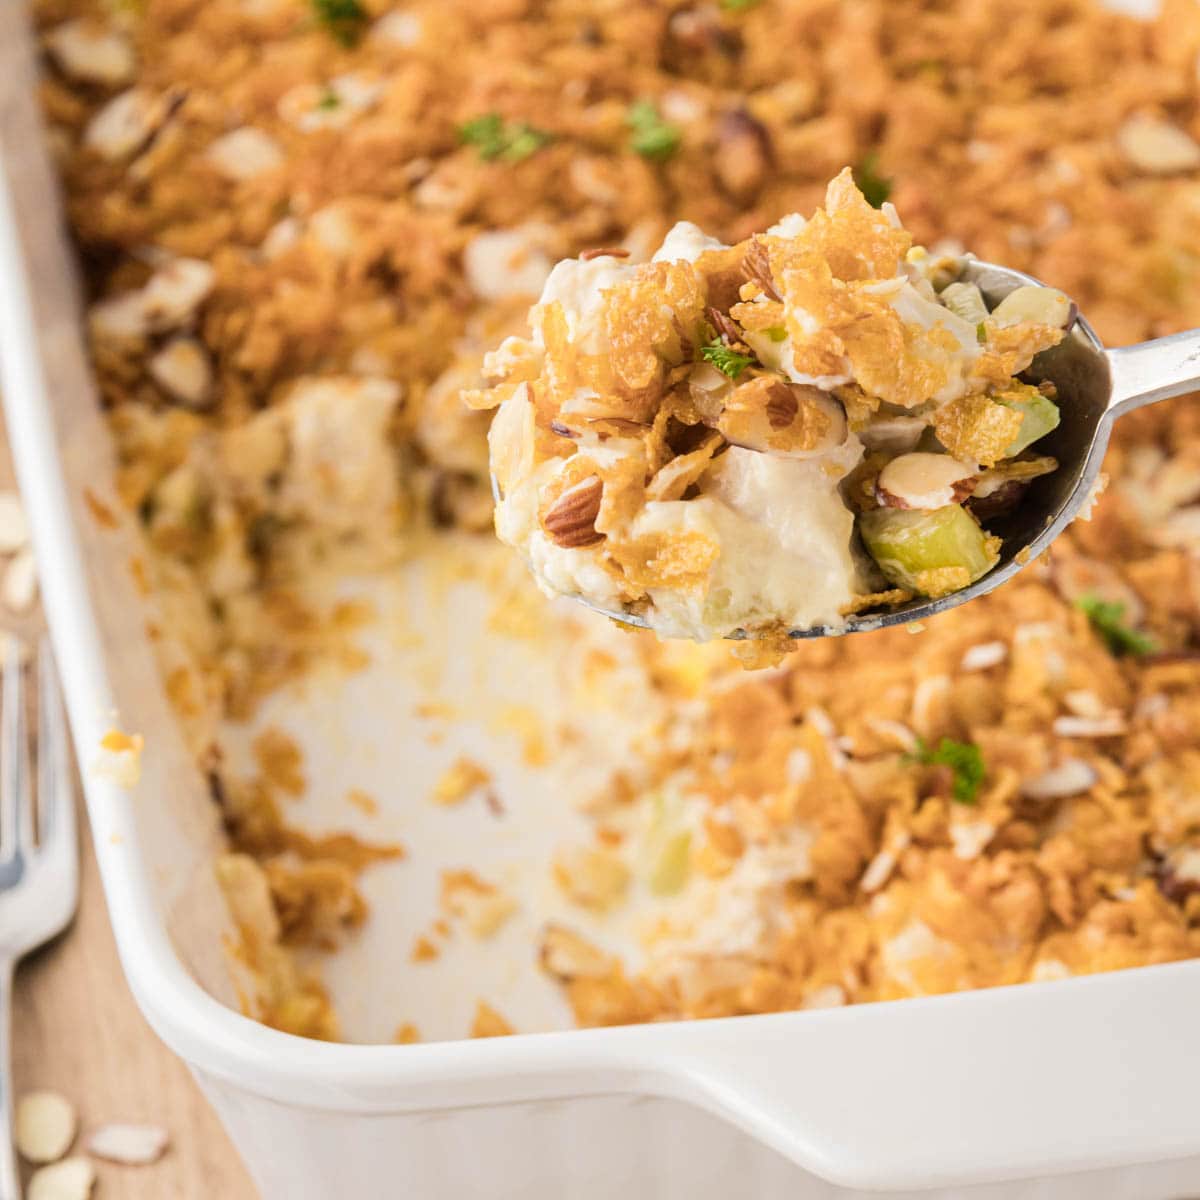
(132, 1145)
(71, 1179)
(44, 1127)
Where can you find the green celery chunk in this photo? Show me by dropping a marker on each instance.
(1039, 415)
(965, 300)
(673, 866)
(931, 552)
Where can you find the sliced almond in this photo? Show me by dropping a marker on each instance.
(879, 869)
(895, 733)
(1040, 305)
(118, 318)
(725, 326)
(671, 481)
(20, 586)
(399, 28)
(122, 125)
(757, 265)
(969, 838)
(511, 439)
(571, 519)
(1156, 146)
(893, 435)
(183, 370)
(14, 528)
(788, 420)
(132, 1145)
(174, 292)
(243, 153)
(1108, 725)
(921, 480)
(983, 655)
(1083, 702)
(44, 1127)
(782, 407)
(71, 1179)
(88, 51)
(832, 995)
(1071, 777)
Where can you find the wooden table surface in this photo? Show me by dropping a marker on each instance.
(76, 1029)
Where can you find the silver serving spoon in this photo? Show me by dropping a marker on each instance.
(1095, 386)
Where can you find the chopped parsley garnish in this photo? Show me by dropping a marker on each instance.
(874, 187)
(495, 137)
(981, 332)
(738, 5)
(344, 19)
(728, 362)
(1108, 620)
(329, 100)
(964, 759)
(651, 136)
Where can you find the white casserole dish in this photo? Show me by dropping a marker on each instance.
(1088, 1081)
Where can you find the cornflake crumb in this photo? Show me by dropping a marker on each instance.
(280, 760)
(363, 801)
(120, 758)
(460, 780)
(424, 950)
(592, 877)
(481, 906)
(489, 1023)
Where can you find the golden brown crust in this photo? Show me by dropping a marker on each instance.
(1067, 883)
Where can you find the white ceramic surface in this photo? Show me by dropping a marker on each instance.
(1037, 1083)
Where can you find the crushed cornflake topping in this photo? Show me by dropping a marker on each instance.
(595, 877)
(343, 304)
(119, 758)
(487, 1022)
(482, 906)
(461, 779)
(363, 801)
(280, 760)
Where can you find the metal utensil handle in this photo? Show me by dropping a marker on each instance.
(1152, 371)
(10, 1183)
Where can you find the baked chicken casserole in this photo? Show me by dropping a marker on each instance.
(303, 224)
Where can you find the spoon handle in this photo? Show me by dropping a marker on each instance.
(1152, 371)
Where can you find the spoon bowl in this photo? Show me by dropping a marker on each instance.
(1094, 385)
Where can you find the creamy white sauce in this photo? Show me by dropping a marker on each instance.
(685, 242)
(579, 287)
(915, 309)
